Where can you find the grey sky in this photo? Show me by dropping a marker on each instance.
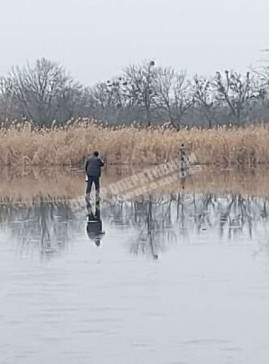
(94, 39)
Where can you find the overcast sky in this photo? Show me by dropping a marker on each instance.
(94, 39)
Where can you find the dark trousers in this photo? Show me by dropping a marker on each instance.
(91, 180)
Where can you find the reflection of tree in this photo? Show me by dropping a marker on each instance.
(155, 221)
(161, 220)
(118, 212)
(43, 224)
(152, 220)
(233, 212)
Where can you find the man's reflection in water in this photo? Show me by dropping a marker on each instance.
(94, 223)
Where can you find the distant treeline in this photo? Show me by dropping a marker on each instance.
(146, 94)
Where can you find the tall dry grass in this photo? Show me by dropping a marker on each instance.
(23, 144)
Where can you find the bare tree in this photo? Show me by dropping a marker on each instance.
(140, 82)
(43, 91)
(107, 101)
(143, 93)
(205, 98)
(173, 95)
(236, 92)
(183, 97)
(6, 99)
(262, 73)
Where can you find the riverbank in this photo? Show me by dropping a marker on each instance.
(26, 145)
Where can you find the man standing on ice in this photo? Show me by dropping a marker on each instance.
(93, 167)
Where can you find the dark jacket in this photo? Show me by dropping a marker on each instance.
(93, 166)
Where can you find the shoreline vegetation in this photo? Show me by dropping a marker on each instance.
(23, 144)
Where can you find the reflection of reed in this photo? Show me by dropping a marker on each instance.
(58, 183)
(34, 184)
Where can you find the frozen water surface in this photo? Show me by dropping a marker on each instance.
(178, 277)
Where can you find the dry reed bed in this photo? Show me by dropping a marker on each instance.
(26, 145)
